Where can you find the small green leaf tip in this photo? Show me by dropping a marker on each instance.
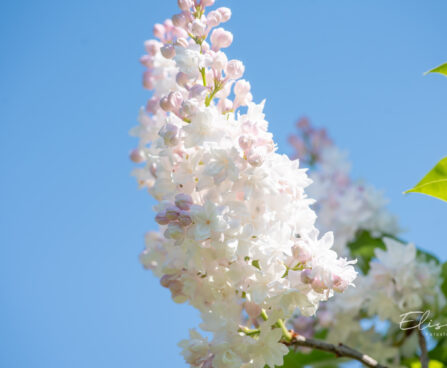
(441, 69)
(434, 183)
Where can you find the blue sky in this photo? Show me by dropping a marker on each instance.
(72, 293)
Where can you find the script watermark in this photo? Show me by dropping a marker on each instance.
(421, 320)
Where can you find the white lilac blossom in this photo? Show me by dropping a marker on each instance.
(398, 282)
(343, 205)
(237, 236)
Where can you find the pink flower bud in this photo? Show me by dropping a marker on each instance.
(174, 231)
(179, 20)
(137, 156)
(182, 42)
(188, 108)
(253, 310)
(152, 47)
(168, 51)
(242, 88)
(146, 60)
(213, 19)
(148, 81)
(318, 286)
(198, 28)
(168, 25)
(255, 159)
(245, 142)
(225, 105)
(164, 104)
(175, 100)
(198, 91)
(184, 218)
(338, 284)
(301, 254)
(220, 61)
(152, 105)
(207, 2)
(169, 133)
(159, 31)
(225, 14)
(165, 280)
(185, 5)
(161, 218)
(179, 32)
(208, 363)
(234, 69)
(205, 47)
(182, 79)
(172, 213)
(183, 201)
(153, 169)
(306, 276)
(221, 38)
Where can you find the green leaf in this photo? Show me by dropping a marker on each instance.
(296, 359)
(431, 364)
(427, 256)
(440, 351)
(444, 277)
(363, 248)
(441, 69)
(434, 183)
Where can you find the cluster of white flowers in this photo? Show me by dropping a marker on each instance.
(343, 205)
(237, 235)
(398, 281)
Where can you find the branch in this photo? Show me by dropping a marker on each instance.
(339, 350)
(423, 345)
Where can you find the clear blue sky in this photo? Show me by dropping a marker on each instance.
(72, 293)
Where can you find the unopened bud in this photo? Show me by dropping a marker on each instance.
(234, 69)
(168, 51)
(172, 213)
(169, 133)
(146, 60)
(185, 5)
(152, 47)
(159, 31)
(225, 14)
(152, 105)
(207, 2)
(245, 142)
(252, 309)
(182, 79)
(198, 28)
(255, 159)
(181, 41)
(318, 286)
(161, 218)
(242, 88)
(179, 20)
(213, 19)
(137, 156)
(183, 201)
(221, 38)
(175, 100)
(220, 61)
(184, 218)
(306, 276)
(338, 284)
(174, 231)
(148, 80)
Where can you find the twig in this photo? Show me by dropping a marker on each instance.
(423, 346)
(339, 350)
